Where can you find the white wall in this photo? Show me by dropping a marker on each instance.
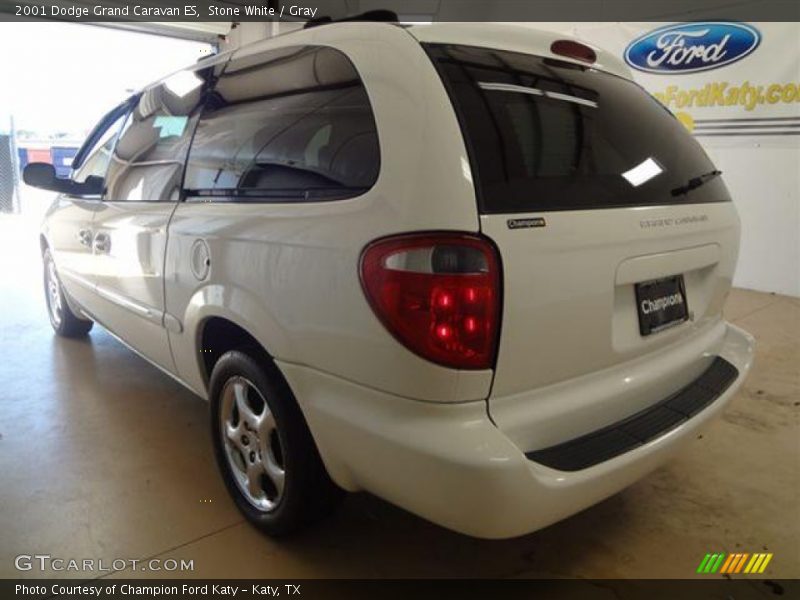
(765, 184)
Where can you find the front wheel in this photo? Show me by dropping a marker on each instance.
(268, 459)
(64, 321)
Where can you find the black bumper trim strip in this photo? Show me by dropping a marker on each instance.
(641, 428)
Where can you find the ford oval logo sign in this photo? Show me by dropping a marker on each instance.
(691, 47)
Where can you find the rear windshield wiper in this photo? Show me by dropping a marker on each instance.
(695, 182)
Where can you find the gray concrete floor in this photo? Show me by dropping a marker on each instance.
(103, 456)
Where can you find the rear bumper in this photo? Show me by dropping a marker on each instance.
(645, 426)
(450, 464)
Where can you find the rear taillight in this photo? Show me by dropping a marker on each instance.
(438, 294)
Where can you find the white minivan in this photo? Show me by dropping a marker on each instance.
(470, 268)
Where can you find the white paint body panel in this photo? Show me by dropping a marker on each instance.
(129, 274)
(67, 229)
(446, 444)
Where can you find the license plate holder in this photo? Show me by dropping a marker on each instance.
(661, 304)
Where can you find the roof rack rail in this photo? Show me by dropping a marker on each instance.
(380, 15)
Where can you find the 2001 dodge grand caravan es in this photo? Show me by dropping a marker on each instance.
(472, 269)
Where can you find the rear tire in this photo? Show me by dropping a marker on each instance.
(264, 449)
(65, 322)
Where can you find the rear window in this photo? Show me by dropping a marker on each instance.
(543, 134)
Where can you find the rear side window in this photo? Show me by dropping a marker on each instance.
(287, 125)
(545, 135)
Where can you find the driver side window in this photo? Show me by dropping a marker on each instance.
(98, 158)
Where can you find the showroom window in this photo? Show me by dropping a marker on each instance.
(148, 160)
(545, 134)
(288, 125)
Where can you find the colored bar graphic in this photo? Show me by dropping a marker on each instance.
(727, 563)
(711, 562)
(752, 562)
(718, 563)
(757, 560)
(731, 565)
(703, 563)
(741, 562)
(764, 564)
(738, 562)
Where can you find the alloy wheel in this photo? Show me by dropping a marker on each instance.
(53, 289)
(252, 444)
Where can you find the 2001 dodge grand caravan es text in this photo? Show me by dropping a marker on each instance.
(470, 268)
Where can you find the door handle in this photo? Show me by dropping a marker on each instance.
(85, 237)
(102, 243)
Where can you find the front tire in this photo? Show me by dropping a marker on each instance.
(264, 450)
(65, 322)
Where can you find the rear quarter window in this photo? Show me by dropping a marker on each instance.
(543, 134)
(287, 125)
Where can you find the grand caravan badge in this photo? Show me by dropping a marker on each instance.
(692, 47)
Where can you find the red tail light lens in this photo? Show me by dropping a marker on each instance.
(438, 294)
(575, 50)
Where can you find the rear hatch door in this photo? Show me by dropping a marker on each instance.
(616, 233)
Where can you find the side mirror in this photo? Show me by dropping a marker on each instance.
(43, 176)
